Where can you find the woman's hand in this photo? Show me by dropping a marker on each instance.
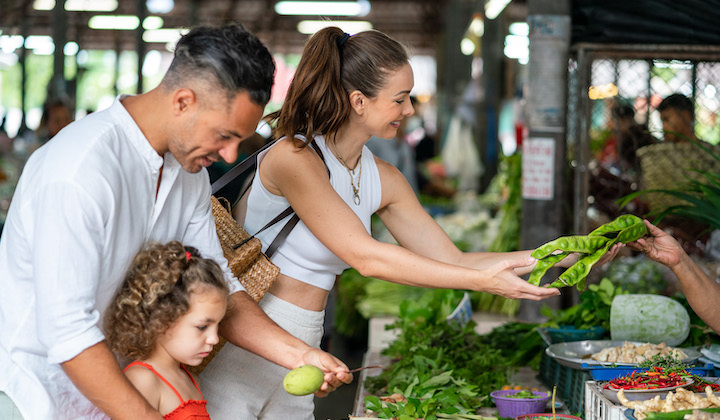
(336, 372)
(504, 282)
(659, 246)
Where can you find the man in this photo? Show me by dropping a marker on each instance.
(701, 291)
(677, 114)
(88, 200)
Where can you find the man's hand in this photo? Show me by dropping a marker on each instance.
(96, 373)
(336, 372)
(248, 327)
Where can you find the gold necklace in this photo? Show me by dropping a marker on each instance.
(351, 172)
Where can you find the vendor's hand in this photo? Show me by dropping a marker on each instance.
(336, 372)
(659, 246)
(504, 282)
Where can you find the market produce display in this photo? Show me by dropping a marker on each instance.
(636, 353)
(675, 405)
(439, 368)
(591, 247)
(650, 379)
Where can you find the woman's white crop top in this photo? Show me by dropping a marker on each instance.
(302, 256)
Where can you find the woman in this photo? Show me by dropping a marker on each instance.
(345, 90)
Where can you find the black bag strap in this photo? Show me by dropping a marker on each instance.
(248, 163)
(241, 168)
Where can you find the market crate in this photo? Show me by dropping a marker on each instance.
(570, 382)
(598, 407)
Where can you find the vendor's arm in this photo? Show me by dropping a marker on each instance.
(247, 326)
(302, 179)
(702, 292)
(96, 373)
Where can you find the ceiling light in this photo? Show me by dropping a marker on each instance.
(519, 28)
(9, 43)
(166, 35)
(71, 48)
(467, 46)
(493, 8)
(79, 5)
(91, 5)
(40, 44)
(152, 22)
(116, 22)
(477, 26)
(159, 6)
(43, 4)
(309, 27)
(323, 8)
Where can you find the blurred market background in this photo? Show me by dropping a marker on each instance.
(522, 111)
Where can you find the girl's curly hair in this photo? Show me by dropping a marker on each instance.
(155, 293)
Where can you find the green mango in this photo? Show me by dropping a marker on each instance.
(303, 380)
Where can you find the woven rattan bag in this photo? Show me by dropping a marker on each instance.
(669, 165)
(252, 268)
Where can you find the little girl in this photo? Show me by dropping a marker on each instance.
(165, 316)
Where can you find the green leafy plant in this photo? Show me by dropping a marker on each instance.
(592, 311)
(439, 367)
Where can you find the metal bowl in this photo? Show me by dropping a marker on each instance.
(574, 354)
(642, 394)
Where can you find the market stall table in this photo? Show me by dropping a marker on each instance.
(379, 338)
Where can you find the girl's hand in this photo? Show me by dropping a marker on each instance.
(659, 246)
(504, 282)
(336, 372)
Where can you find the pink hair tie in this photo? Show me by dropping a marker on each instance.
(187, 255)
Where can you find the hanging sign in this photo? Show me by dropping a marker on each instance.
(538, 164)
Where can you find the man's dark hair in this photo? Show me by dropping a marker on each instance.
(678, 102)
(229, 54)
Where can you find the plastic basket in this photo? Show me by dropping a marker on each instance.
(606, 373)
(570, 382)
(668, 165)
(567, 333)
(547, 416)
(575, 399)
(598, 407)
(514, 407)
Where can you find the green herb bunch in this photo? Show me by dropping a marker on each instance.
(592, 311)
(440, 367)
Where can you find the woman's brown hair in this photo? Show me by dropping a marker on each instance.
(333, 65)
(155, 293)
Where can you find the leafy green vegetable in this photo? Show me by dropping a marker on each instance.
(524, 394)
(439, 366)
(592, 311)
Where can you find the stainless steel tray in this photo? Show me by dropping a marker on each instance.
(573, 354)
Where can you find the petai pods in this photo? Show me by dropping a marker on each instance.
(591, 247)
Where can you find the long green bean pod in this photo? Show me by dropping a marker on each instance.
(632, 233)
(581, 243)
(578, 271)
(617, 225)
(543, 265)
